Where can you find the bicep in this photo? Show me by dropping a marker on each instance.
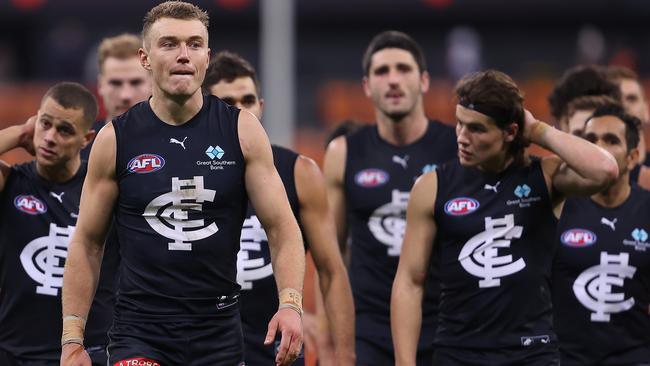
(99, 192)
(263, 184)
(334, 171)
(564, 181)
(420, 229)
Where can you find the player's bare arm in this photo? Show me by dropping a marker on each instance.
(319, 230)
(408, 287)
(578, 168)
(86, 247)
(13, 137)
(334, 170)
(267, 194)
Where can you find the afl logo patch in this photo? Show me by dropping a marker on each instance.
(578, 238)
(371, 178)
(30, 205)
(146, 163)
(461, 206)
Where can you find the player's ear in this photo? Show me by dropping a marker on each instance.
(144, 59)
(510, 132)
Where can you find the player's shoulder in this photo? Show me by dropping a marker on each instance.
(283, 151)
(437, 125)
(640, 195)
(26, 170)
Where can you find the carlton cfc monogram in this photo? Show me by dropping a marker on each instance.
(480, 255)
(43, 259)
(172, 209)
(593, 288)
(250, 269)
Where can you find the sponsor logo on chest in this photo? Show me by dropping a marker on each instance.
(640, 240)
(524, 199)
(216, 161)
(578, 238)
(30, 205)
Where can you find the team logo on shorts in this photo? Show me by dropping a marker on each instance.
(139, 361)
(145, 163)
(371, 178)
(578, 238)
(461, 206)
(30, 205)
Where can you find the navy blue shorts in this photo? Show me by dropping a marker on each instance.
(205, 342)
(546, 355)
(257, 354)
(97, 356)
(380, 352)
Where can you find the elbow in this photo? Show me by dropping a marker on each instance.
(609, 173)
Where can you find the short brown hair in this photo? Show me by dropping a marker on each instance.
(122, 47)
(74, 96)
(393, 39)
(228, 66)
(579, 81)
(176, 10)
(590, 102)
(496, 90)
(616, 73)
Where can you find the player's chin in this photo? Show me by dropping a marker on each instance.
(466, 162)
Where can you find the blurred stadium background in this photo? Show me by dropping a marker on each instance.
(44, 41)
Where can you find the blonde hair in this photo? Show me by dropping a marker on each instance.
(176, 10)
(121, 47)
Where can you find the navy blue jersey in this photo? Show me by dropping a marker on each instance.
(495, 234)
(378, 179)
(181, 205)
(37, 220)
(601, 281)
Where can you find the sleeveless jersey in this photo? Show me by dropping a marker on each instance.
(259, 295)
(37, 220)
(601, 281)
(378, 179)
(495, 237)
(179, 213)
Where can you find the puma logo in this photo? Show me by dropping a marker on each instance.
(609, 223)
(492, 188)
(174, 141)
(59, 197)
(401, 161)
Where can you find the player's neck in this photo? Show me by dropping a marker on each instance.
(614, 195)
(643, 153)
(175, 110)
(403, 132)
(59, 174)
(497, 164)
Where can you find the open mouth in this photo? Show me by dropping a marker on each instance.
(182, 72)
